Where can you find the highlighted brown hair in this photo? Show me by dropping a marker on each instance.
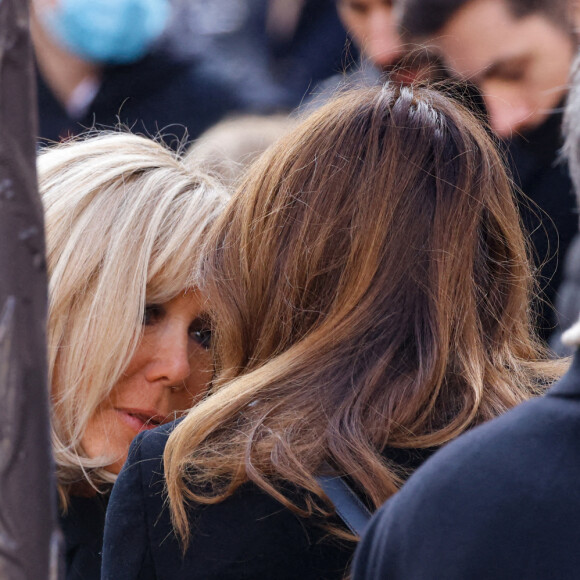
(370, 288)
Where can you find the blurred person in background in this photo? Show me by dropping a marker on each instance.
(272, 51)
(228, 148)
(127, 334)
(501, 502)
(372, 26)
(518, 53)
(307, 42)
(100, 62)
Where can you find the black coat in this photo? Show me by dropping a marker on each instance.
(158, 93)
(249, 535)
(82, 528)
(502, 502)
(551, 218)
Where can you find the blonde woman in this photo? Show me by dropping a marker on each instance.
(127, 330)
(370, 290)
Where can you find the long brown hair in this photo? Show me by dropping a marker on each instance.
(370, 288)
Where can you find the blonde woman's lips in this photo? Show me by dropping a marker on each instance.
(141, 419)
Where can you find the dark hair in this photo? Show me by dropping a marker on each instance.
(370, 288)
(421, 18)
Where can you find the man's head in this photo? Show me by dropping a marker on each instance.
(372, 26)
(518, 52)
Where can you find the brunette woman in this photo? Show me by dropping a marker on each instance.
(369, 289)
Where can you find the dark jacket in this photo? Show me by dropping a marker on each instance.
(157, 93)
(502, 502)
(247, 536)
(545, 180)
(82, 528)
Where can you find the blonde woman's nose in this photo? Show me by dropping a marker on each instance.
(170, 358)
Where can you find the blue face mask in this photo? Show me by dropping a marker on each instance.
(107, 31)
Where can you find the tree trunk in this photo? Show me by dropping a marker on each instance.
(29, 539)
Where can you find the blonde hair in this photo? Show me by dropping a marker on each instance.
(370, 288)
(124, 221)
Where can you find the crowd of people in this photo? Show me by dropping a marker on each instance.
(280, 306)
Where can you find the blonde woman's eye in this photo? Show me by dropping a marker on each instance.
(200, 332)
(153, 313)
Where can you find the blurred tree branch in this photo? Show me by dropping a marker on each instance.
(29, 540)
